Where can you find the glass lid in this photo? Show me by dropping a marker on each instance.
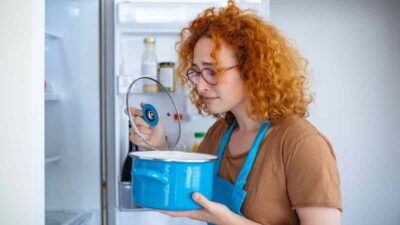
(155, 118)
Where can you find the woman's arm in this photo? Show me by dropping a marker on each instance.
(220, 214)
(211, 212)
(307, 215)
(319, 215)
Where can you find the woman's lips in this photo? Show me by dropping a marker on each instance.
(210, 99)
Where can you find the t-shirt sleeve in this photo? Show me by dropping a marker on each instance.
(312, 174)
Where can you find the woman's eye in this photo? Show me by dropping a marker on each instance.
(211, 72)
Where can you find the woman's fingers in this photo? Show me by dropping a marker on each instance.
(137, 140)
(143, 130)
(142, 126)
(134, 111)
(139, 121)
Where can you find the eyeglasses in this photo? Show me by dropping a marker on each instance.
(208, 75)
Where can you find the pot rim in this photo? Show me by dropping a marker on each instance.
(155, 155)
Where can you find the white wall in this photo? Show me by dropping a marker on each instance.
(354, 49)
(22, 112)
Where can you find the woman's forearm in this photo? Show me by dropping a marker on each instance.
(239, 220)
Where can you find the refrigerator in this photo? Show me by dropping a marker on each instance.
(93, 51)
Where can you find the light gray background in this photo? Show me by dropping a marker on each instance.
(354, 52)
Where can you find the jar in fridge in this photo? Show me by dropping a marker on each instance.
(166, 75)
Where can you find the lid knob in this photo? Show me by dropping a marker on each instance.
(150, 114)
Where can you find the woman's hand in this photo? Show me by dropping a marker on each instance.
(153, 135)
(211, 212)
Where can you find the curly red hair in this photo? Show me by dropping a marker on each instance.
(274, 72)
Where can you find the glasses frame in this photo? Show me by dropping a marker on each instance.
(200, 74)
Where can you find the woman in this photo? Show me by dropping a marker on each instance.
(274, 167)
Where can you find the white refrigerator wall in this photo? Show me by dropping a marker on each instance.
(353, 49)
(72, 124)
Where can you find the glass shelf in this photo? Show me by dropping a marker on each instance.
(51, 159)
(66, 217)
(52, 97)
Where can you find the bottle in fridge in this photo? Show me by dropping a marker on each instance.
(149, 64)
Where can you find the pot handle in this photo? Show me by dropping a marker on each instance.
(150, 174)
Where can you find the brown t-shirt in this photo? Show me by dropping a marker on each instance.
(295, 167)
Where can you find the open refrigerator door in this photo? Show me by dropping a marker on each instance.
(72, 117)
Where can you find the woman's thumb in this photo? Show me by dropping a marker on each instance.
(201, 200)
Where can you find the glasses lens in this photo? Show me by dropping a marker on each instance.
(209, 75)
(193, 76)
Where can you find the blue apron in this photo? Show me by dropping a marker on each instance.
(233, 195)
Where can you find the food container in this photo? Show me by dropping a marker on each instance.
(166, 178)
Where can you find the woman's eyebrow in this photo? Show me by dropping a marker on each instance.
(207, 63)
(204, 64)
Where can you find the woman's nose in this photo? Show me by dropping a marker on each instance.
(202, 86)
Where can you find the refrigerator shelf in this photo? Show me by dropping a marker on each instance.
(52, 97)
(51, 92)
(60, 217)
(51, 159)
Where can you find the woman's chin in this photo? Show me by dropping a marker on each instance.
(214, 110)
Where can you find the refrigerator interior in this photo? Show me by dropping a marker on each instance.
(162, 20)
(72, 123)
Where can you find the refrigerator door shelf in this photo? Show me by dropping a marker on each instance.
(125, 202)
(123, 83)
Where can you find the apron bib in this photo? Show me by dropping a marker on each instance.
(224, 192)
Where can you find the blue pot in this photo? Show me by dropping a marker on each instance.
(166, 180)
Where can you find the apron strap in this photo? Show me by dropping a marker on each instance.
(248, 164)
(222, 146)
